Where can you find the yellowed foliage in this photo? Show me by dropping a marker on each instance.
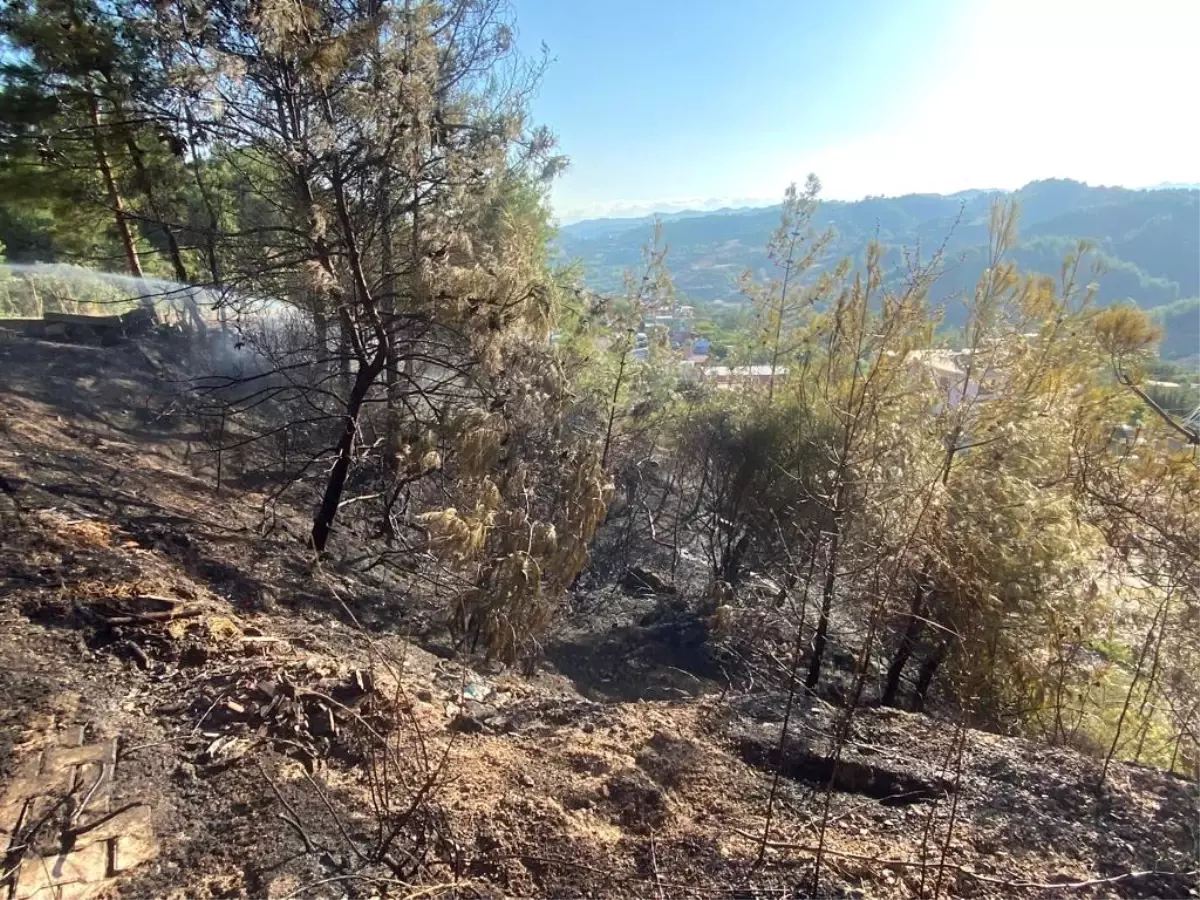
(1124, 329)
(522, 565)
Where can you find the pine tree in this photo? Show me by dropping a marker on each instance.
(795, 249)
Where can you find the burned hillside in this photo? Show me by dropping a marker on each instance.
(351, 547)
(272, 723)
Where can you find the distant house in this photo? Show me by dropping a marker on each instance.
(641, 346)
(727, 378)
(692, 367)
(947, 369)
(675, 322)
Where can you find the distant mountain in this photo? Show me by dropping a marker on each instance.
(1148, 241)
(605, 226)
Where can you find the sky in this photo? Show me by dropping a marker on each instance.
(664, 105)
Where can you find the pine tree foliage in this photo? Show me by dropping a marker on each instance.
(795, 249)
(365, 176)
(970, 509)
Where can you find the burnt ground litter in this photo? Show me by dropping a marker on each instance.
(145, 606)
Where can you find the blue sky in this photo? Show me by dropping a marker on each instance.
(672, 104)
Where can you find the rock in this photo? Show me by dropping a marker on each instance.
(425, 695)
(262, 599)
(476, 718)
(477, 691)
(643, 582)
(524, 780)
(193, 656)
(577, 801)
(843, 660)
(465, 723)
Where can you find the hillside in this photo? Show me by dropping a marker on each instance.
(352, 549)
(1147, 241)
(220, 715)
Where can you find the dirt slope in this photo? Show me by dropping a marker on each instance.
(242, 703)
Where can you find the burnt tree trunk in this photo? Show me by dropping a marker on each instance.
(332, 499)
(925, 674)
(214, 223)
(916, 614)
(731, 559)
(138, 158)
(346, 356)
(821, 637)
(908, 643)
(390, 303)
(612, 411)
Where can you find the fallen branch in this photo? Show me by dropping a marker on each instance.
(165, 615)
(76, 830)
(1192, 436)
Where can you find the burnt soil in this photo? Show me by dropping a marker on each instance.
(623, 766)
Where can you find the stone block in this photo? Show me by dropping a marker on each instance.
(24, 783)
(12, 811)
(83, 872)
(133, 849)
(132, 821)
(94, 786)
(72, 736)
(82, 891)
(55, 759)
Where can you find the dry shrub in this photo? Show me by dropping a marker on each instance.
(385, 825)
(529, 495)
(522, 563)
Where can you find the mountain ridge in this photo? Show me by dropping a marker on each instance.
(1146, 240)
(968, 193)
